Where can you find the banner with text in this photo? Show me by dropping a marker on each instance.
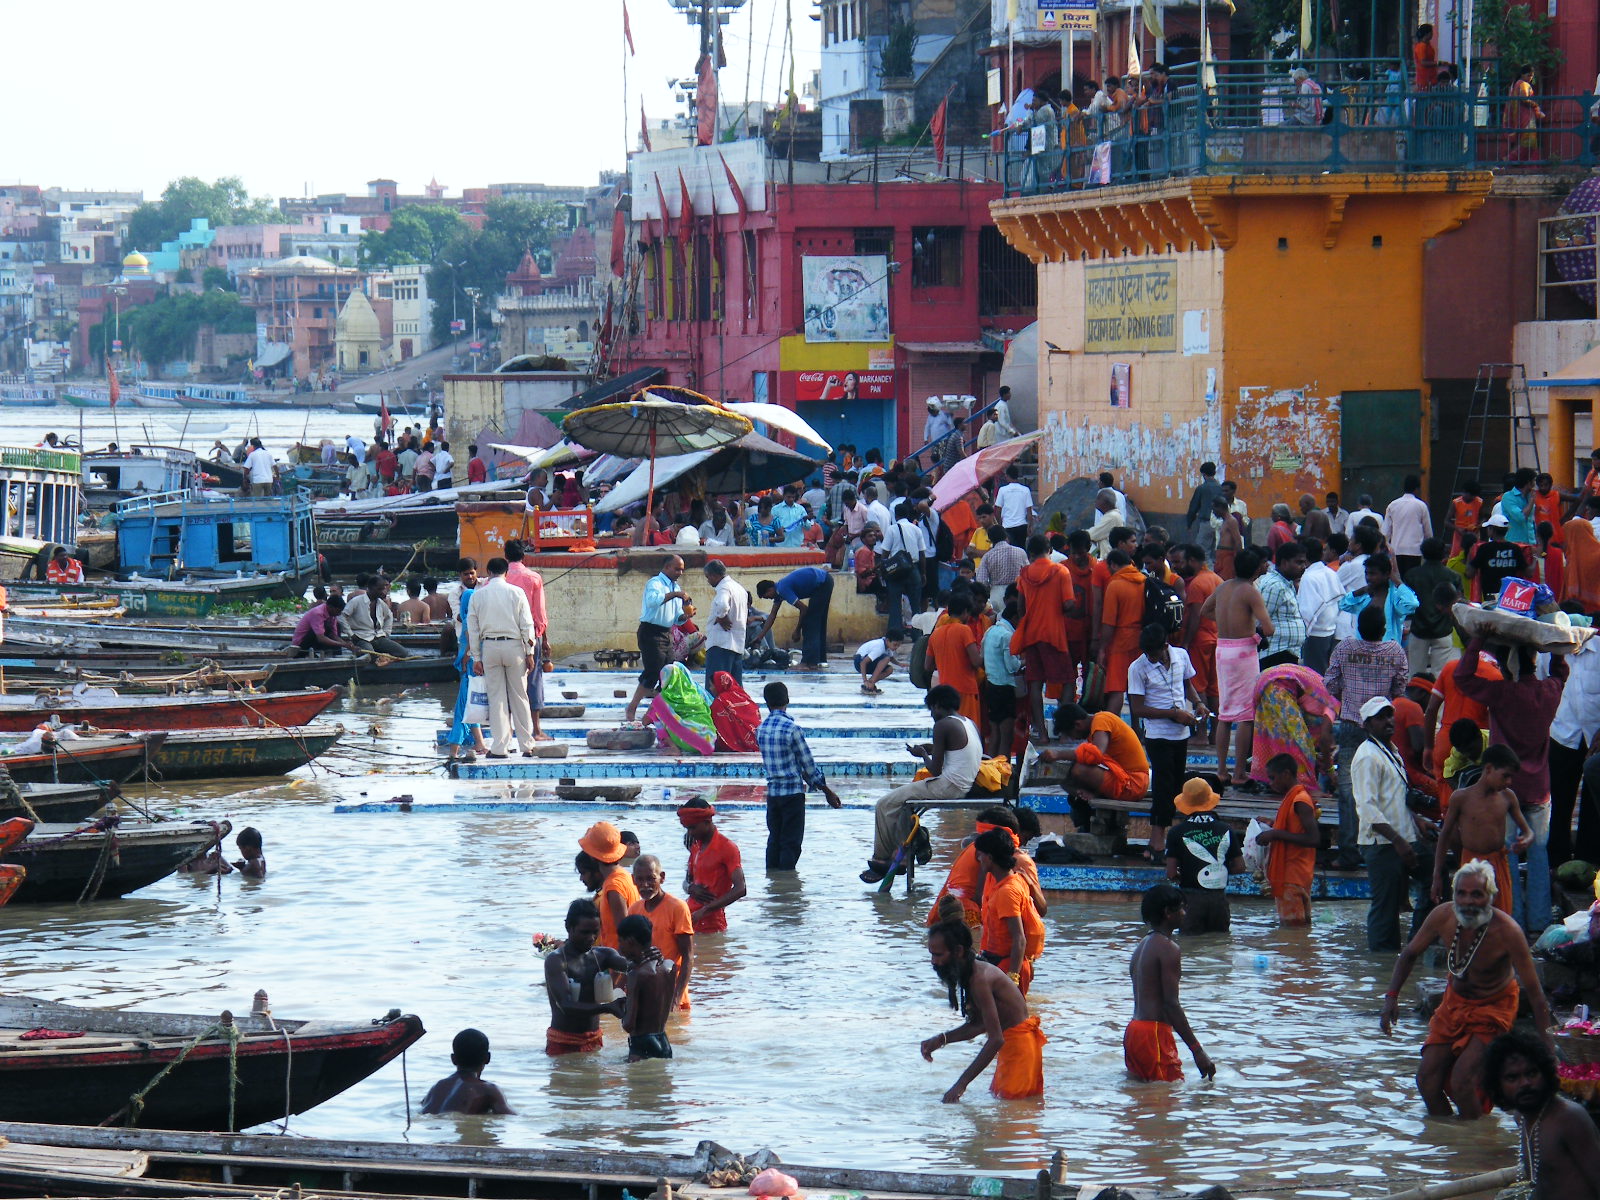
(1130, 306)
(843, 386)
(1058, 15)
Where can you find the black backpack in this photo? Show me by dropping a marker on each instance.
(1162, 605)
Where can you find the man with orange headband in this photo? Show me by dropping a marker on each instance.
(966, 878)
(992, 1006)
(600, 850)
(569, 981)
(715, 878)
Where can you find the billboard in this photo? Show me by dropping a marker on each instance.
(846, 297)
(843, 385)
(1067, 15)
(1131, 306)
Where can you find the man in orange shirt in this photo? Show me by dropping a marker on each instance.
(1446, 706)
(1409, 736)
(669, 918)
(1082, 566)
(601, 850)
(715, 877)
(1109, 761)
(1040, 639)
(956, 653)
(1120, 622)
(1199, 636)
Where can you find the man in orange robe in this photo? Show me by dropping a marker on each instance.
(601, 849)
(992, 1006)
(669, 918)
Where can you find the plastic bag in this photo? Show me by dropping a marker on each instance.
(477, 710)
(1254, 853)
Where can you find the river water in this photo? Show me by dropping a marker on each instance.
(807, 1012)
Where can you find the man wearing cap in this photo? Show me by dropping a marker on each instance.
(1386, 830)
(1202, 851)
(715, 877)
(1359, 669)
(600, 850)
(1493, 560)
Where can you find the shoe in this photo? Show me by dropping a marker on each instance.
(468, 757)
(875, 871)
(492, 754)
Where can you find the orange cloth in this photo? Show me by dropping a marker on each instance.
(1464, 514)
(1458, 1021)
(1019, 1067)
(1501, 863)
(620, 882)
(958, 519)
(711, 865)
(1045, 588)
(1001, 901)
(557, 1042)
(1122, 743)
(1150, 1051)
(1454, 707)
(669, 919)
(1407, 716)
(1291, 867)
(1546, 508)
(1121, 784)
(1122, 617)
(964, 882)
(1203, 645)
(947, 648)
(1580, 578)
(1083, 582)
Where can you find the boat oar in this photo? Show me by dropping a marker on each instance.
(1460, 1187)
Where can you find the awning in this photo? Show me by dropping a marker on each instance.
(945, 348)
(619, 388)
(274, 354)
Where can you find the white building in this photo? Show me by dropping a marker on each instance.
(406, 288)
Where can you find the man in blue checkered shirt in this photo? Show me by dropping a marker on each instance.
(791, 772)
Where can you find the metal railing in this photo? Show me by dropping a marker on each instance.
(971, 426)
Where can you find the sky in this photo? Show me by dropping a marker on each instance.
(305, 96)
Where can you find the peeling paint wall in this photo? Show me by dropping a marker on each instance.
(1282, 442)
(1155, 462)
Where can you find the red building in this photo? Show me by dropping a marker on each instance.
(850, 301)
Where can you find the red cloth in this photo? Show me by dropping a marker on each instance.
(557, 1043)
(711, 865)
(1458, 1022)
(734, 714)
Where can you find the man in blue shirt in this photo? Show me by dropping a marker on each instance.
(810, 590)
(791, 771)
(790, 518)
(661, 610)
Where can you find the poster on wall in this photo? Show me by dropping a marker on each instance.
(843, 385)
(1130, 306)
(846, 297)
(1121, 385)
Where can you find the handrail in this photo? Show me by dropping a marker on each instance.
(969, 436)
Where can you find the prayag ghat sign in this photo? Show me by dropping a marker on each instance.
(1130, 306)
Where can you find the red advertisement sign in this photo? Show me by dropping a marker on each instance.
(843, 385)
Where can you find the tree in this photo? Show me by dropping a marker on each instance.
(165, 329)
(417, 233)
(217, 279)
(225, 202)
(483, 258)
(1521, 38)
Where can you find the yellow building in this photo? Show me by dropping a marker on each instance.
(358, 337)
(1270, 323)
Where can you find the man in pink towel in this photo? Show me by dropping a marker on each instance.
(1240, 612)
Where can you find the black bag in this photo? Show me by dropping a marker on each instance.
(900, 567)
(917, 669)
(1162, 605)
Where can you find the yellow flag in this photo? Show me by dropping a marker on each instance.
(1011, 9)
(1305, 26)
(1152, 19)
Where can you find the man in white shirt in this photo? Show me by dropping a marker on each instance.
(939, 424)
(726, 632)
(502, 643)
(1107, 520)
(1386, 831)
(259, 468)
(443, 463)
(369, 619)
(1319, 593)
(1361, 514)
(1406, 523)
(1574, 736)
(1338, 518)
(718, 530)
(356, 447)
(877, 511)
(1014, 503)
(907, 535)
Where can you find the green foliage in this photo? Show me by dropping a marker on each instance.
(165, 329)
(1520, 38)
(417, 233)
(899, 52)
(217, 279)
(184, 275)
(225, 202)
(482, 258)
(277, 606)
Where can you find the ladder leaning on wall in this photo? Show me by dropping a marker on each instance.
(1481, 416)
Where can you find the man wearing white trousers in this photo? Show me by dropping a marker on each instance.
(502, 643)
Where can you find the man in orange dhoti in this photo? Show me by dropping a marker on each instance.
(569, 981)
(994, 1008)
(1487, 957)
(1149, 1047)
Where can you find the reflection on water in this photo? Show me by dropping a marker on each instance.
(807, 1012)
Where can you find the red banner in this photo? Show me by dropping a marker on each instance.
(843, 385)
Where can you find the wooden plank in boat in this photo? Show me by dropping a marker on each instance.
(76, 1160)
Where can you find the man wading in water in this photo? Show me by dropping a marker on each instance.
(994, 1008)
(1148, 1048)
(1486, 955)
(569, 979)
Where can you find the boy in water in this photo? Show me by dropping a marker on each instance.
(651, 986)
(254, 863)
(1476, 818)
(1148, 1047)
(465, 1091)
(1292, 841)
(569, 981)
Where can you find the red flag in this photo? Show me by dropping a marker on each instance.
(937, 128)
(706, 101)
(114, 387)
(627, 27)
(733, 184)
(385, 421)
(619, 241)
(644, 125)
(686, 213)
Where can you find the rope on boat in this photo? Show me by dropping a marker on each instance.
(311, 759)
(115, 791)
(225, 1027)
(97, 877)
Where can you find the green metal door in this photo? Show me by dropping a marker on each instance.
(1380, 436)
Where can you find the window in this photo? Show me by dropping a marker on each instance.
(704, 283)
(875, 241)
(386, 291)
(936, 256)
(656, 301)
(1007, 281)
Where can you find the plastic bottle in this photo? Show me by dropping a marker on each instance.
(666, 795)
(850, 562)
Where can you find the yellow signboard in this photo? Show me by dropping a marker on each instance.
(1130, 306)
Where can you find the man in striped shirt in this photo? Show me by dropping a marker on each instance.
(1277, 588)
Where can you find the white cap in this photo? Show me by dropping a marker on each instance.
(1374, 706)
(1498, 521)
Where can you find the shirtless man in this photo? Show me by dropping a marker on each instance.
(1148, 1047)
(466, 1091)
(254, 863)
(569, 980)
(1476, 820)
(992, 1006)
(1239, 612)
(413, 610)
(651, 990)
(1560, 1145)
(1487, 956)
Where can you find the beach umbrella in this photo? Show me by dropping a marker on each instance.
(752, 463)
(776, 416)
(647, 426)
(977, 469)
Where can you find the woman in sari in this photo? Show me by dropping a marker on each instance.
(734, 714)
(1295, 713)
(682, 712)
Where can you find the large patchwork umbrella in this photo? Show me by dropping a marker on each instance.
(977, 469)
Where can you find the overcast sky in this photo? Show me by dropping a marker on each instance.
(315, 96)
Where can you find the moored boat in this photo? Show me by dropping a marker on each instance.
(27, 396)
(110, 476)
(212, 395)
(87, 397)
(91, 1077)
(106, 858)
(329, 672)
(253, 709)
(87, 760)
(240, 753)
(54, 803)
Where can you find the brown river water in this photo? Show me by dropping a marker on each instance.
(807, 1012)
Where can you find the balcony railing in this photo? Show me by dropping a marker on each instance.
(1250, 122)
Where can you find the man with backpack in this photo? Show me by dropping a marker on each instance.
(1277, 587)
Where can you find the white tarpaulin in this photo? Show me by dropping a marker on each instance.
(776, 416)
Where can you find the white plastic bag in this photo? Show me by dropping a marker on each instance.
(1255, 854)
(477, 710)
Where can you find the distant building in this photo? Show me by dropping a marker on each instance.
(358, 337)
(238, 248)
(405, 288)
(555, 315)
(189, 250)
(297, 302)
(383, 197)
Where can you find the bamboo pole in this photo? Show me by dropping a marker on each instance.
(1460, 1187)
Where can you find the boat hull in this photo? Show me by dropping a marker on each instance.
(58, 803)
(63, 864)
(89, 764)
(330, 672)
(178, 712)
(235, 754)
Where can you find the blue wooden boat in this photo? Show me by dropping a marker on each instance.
(22, 396)
(211, 395)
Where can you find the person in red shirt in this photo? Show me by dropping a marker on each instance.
(1081, 566)
(388, 463)
(477, 469)
(715, 878)
(1410, 733)
(62, 568)
(1425, 58)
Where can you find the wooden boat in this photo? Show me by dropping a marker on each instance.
(255, 709)
(87, 397)
(27, 396)
(240, 753)
(106, 858)
(81, 635)
(91, 760)
(210, 395)
(284, 1066)
(192, 597)
(111, 476)
(329, 672)
(12, 875)
(56, 803)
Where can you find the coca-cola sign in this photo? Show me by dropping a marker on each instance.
(843, 385)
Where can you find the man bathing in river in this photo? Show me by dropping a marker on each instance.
(669, 918)
(1148, 1046)
(569, 980)
(1475, 823)
(1486, 956)
(1559, 1143)
(466, 1091)
(651, 989)
(993, 1007)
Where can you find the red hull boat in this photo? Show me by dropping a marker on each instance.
(19, 714)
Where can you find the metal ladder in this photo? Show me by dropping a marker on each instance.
(1524, 444)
